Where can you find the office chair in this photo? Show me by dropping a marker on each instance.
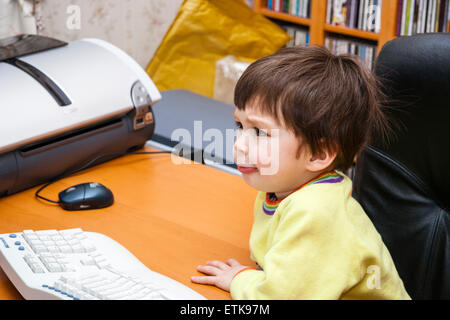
(404, 186)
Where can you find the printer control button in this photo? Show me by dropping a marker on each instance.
(148, 118)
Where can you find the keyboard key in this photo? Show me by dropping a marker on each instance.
(54, 267)
(53, 249)
(77, 248)
(88, 261)
(81, 236)
(36, 242)
(48, 242)
(88, 246)
(46, 232)
(103, 264)
(116, 296)
(57, 237)
(34, 266)
(65, 249)
(39, 249)
(70, 233)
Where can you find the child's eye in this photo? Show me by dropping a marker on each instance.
(261, 133)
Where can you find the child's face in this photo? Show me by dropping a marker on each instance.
(266, 153)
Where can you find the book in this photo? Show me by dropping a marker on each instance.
(348, 12)
(285, 8)
(399, 18)
(429, 10)
(277, 5)
(378, 15)
(292, 5)
(291, 32)
(424, 15)
(305, 8)
(299, 35)
(365, 11)
(408, 11)
(443, 15)
(339, 45)
(360, 14)
(432, 15)
(339, 12)
(448, 20)
(419, 16)
(436, 16)
(353, 13)
(298, 8)
(405, 17)
(371, 11)
(369, 18)
(412, 14)
(329, 11)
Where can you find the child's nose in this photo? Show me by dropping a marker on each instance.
(241, 143)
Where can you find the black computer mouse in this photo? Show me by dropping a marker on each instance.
(86, 196)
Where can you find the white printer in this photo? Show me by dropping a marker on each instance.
(63, 104)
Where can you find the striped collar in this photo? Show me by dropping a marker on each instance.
(270, 206)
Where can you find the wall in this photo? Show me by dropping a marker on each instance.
(16, 17)
(135, 26)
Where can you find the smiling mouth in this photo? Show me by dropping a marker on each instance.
(247, 169)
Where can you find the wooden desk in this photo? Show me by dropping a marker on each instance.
(171, 217)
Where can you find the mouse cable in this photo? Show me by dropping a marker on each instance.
(114, 154)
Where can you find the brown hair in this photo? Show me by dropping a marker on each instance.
(332, 101)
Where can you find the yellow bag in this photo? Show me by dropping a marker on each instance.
(205, 31)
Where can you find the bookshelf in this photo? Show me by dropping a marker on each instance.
(319, 29)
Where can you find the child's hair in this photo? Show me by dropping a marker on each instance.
(331, 101)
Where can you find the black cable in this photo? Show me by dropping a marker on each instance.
(115, 154)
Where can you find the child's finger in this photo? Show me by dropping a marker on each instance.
(204, 279)
(232, 262)
(208, 270)
(218, 264)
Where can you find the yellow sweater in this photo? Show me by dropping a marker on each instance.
(317, 244)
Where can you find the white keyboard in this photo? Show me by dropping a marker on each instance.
(76, 265)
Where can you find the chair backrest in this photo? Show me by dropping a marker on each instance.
(404, 186)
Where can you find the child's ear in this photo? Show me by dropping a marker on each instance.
(320, 161)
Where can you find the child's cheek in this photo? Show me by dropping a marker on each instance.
(269, 156)
(264, 153)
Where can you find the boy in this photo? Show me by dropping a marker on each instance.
(306, 113)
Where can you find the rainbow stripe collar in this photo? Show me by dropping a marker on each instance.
(269, 206)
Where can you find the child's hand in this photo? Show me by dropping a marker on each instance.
(220, 273)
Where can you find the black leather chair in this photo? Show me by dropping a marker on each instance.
(404, 186)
